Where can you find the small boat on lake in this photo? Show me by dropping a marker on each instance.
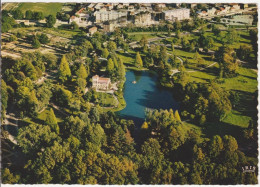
(134, 82)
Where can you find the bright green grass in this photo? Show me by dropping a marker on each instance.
(42, 116)
(245, 81)
(105, 99)
(200, 76)
(138, 35)
(236, 118)
(45, 8)
(127, 58)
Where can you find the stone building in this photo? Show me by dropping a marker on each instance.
(143, 19)
(100, 83)
(102, 16)
(176, 14)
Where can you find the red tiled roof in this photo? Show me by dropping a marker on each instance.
(103, 80)
(93, 29)
(80, 10)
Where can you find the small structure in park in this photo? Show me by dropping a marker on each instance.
(101, 83)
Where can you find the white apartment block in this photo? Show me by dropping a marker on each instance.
(143, 19)
(102, 16)
(177, 14)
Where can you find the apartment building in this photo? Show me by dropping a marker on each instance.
(102, 16)
(176, 14)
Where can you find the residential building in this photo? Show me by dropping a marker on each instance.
(108, 27)
(143, 19)
(81, 18)
(92, 30)
(102, 16)
(176, 14)
(101, 83)
(211, 11)
(235, 6)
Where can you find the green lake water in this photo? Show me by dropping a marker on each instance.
(146, 93)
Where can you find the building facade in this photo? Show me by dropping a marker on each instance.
(102, 16)
(100, 83)
(143, 19)
(176, 14)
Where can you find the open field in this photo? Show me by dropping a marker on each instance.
(138, 35)
(45, 8)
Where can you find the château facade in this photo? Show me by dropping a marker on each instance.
(101, 83)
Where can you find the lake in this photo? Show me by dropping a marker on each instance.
(146, 93)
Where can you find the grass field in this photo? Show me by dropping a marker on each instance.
(45, 8)
(106, 100)
(138, 35)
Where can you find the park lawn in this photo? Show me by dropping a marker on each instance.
(237, 118)
(45, 8)
(137, 36)
(105, 99)
(200, 76)
(42, 116)
(190, 55)
(246, 81)
(127, 58)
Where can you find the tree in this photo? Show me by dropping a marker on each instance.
(111, 46)
(215, 146)
(121, 69)
(74, 25)
(50, 21)
(185, 43)
(198, 59)
(105, 53)
(177, 116)
(38, 16)
(34, 137)
(51, 120)
(9, 178)
(231, 36)
(244, 52)
(64, 70)
(17, 14)
(143, 43)
(12, 38)
(82, 72)
(230, 143)
(36, 43)
(4, 97)
(28, 14)
(228, 65)
(110, 66)
(81, 84)
(7, 23)
(43, 38)
(138, 60)
(51, 60)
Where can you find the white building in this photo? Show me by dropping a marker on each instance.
(81, 18)
(102, 16)
(100, 82)
(211, 11)
(176, 14)
(143, 19)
